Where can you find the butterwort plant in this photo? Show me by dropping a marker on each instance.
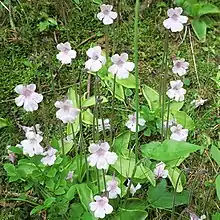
(92, 171)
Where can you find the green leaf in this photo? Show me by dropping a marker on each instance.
(168, 150)
(91, 101)
(44, 25)
(128, 83)
(199, 26)
(183, 119)
(68, 145)
(176, 106)
(216, 216)
(26, 168)
(208, 9)
(125, 168)
(76, 127)
(159, 197)
(119, 91)
(16, 150)
(59, 191)
(76, 211)
(217, 186)
(50, 184)
(10, 169)
(87, 117)
(49, 201)
(52, 172)
(130, 214)
(134, 203)
(52, 21)
(85, 195)
(72, 95)
(71, 193)
(36, 209)
(121, 143)
(215, 153)
(3, 122)
(99, 2)
(151, 96)
(174, 176)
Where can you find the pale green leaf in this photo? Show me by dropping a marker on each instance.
(208, 9)
(217, 186)
(128, 83)
(91, 101)
(215, 153)
(199, 26)
(130, 214)
(173, 175)
(87, 117)
(151, 96)
(3, 123)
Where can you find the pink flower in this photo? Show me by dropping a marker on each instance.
(100, 207)
(28, 97)
(131, 123)
(159, 171)
(113, 189)
(178, 133)
(180, 66)
(176, 91)
(66, 54)
(176, 20)
(49, 157)
(100, 156)
(107, 15)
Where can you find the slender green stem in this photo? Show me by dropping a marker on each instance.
(113, 109)
(98, 180)
(106, 44)
(168, 115)
(61, 134)
(103, 173)
(137, 6)
(164, 82)
(102, 118)
(174, 195)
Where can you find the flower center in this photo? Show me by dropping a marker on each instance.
(106, 12)
(66, 107)
(95, 57)
(27, 92)
(179, 64)
(100, 152)
(102, 203)
(175, 17)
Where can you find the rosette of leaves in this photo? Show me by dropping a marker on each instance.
(202, 15)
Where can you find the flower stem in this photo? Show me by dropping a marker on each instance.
(136, 75)
(103, 173)
(61, 133)
(98, 180)
(168, 115)
(112, 113)
(163, 82)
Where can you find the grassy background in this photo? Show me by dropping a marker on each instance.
(28, 55)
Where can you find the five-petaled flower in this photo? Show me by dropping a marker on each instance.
(176, 20)
(100, 156)
(178, 133)
(159, 171)
(106, 123)
(113, 189)
(131, 123)
(49, 157)
(180, 66)
(133, 189)
(176, 91)
(199, 102)
(66, 54)
(96, 60)
(120, 66)
(107, 15)
(28, 97)
(31, 145)
(66, 113)
(100, 207)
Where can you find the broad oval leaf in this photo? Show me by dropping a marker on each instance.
(128, 83)
(130, 214)
(199, 26)
(119, 91)
(87, 117)
(91, 101)
(175, 178)
(168, 150)
(215, 153)
(151, 96)
(72, 95)
(208, 9)
(217, 186)
(85, 195)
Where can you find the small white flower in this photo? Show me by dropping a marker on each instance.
(35, 129)
(107, 15)
(178, 133)
(176, 92)
(70, 176)
(31, 146)
(193, 216)
(133, 189)
(120, 66)
(11, 155)
(159, 171)
(176, 20)
(107, 125)
(28, 97)
(100, 207)
(131, 123)
(171, 122)
(199, 102)
(100, 156)
(180, 66)
(50, 157)
(66, 113)
(113, 189)
(66, 54)
(96, 60)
